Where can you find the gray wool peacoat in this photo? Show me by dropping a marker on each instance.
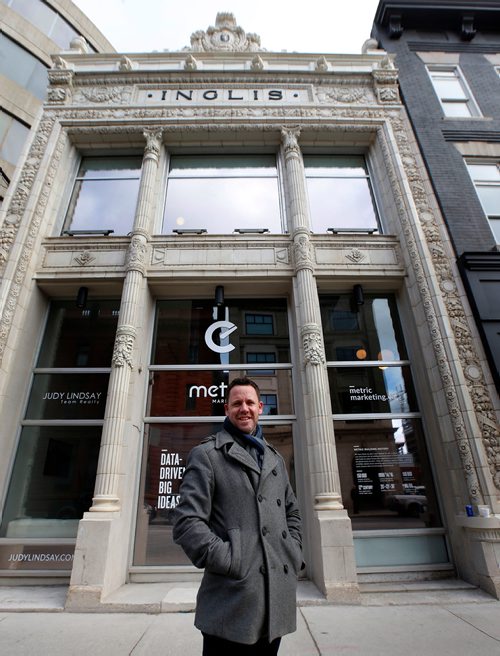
(243, 526)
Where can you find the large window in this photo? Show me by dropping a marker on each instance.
(222, 194)
(340, 195)
(453, 93)
(22, 67)
(386, 479)
(105, 195)
(197, 350)
(486, 178)
(52, 482)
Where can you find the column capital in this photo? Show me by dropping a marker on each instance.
(290, 140)
(153, 138)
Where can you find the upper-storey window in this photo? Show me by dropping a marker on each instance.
(105, 195)
(454, 95)
(340, 195)
(222, 194)
(486, 178)
(48, 21)
(22, 67)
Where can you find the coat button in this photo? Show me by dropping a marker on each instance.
(278, 501)
(264, 530)
(275, 472)
(260, 498)
(285, 569)
(284, 534)
(262, 569)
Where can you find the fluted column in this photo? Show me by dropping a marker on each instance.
(318, 408)
(106, 497)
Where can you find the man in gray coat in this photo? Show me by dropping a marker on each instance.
(238, 518)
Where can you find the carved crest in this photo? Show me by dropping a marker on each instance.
(226, 35)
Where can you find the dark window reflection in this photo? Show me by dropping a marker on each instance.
(385, 474)
(52, 482)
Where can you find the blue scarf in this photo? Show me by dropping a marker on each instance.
(256, 440)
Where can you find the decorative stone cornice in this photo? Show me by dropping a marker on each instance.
(225, 36)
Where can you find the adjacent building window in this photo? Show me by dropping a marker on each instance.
(222, 194)
(48, 21)
(386, 480)
(454, 95)
(486, 178)
(22, 67)
(13, 135)
(52, 482)
(340, 195)
(105, 195)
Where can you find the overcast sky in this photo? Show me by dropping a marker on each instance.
(326, 26)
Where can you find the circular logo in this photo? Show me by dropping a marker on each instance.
(226, 328)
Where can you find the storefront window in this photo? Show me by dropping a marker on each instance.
(222, 193)
(340, 195)
(384, 468)
(53, 478)
(105, 195)
(167, 447)
(198, 348)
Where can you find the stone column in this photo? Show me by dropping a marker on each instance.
(101, 551)
(106, 498)
(333, 566)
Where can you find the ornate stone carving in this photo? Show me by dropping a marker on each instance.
(321, 65)
(125, 64)
(257, 63)
(302, 252)
(58, 62)
(344, 95)
(136, 255)
(79, 43)
(312, 342)
(356, 256)
(464, 341)
(101, 94)
(124, 346)
(153, 138)
(226, 35)
(84, 258)
(56, 95)
(190, 63)
(290, 139)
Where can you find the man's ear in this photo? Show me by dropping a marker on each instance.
(225, 408)
(261, 407)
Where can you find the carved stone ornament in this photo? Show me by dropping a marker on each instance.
(124, 346)
(302, 253)
(321, 65)
(355, 255)
(190, 63)
(226, 35)
(58, 62)
(101, 94)
(84, 258)
(125, 64)
(153, 138)
(344, 95)
(313, 344)
(257, 63)
(56, 95)
(136, 256)
(290, 139)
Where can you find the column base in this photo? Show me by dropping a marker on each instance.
(334, 566)
(102, 503)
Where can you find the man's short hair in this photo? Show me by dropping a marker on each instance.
(243, 381)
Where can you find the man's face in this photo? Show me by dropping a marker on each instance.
(243, 408)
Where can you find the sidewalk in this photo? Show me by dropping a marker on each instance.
(409, 624)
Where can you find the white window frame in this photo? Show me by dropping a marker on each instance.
(467, 101)
(491, 183)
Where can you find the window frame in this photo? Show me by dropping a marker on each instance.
(468, 102)
(489, 183)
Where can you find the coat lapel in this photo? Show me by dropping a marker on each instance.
(236, 452)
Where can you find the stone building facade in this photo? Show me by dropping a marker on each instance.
(184, 217)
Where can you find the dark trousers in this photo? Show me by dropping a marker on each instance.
(213, 646)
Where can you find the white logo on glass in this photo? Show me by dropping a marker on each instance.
(226, 328)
